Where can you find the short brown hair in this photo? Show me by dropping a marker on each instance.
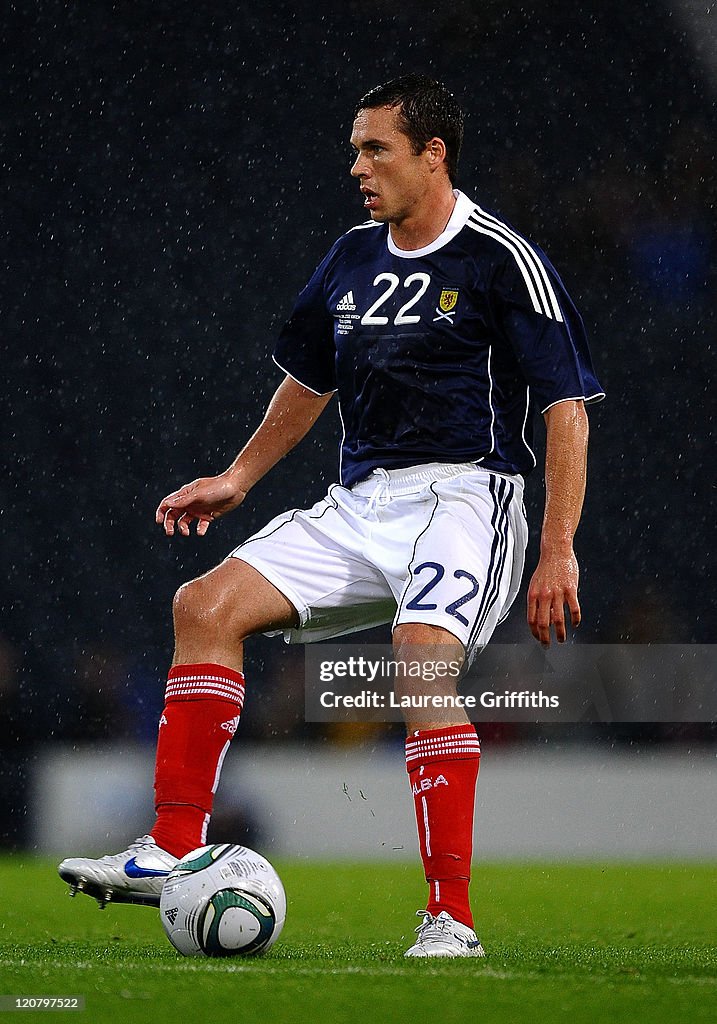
(427, 110)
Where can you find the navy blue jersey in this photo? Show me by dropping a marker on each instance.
(438, 353)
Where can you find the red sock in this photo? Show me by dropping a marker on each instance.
(202, 705)
(442, 767)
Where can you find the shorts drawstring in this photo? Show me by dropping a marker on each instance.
(380, 495)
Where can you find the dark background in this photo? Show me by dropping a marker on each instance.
(171, 176)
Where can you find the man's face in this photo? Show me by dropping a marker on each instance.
(393, 179)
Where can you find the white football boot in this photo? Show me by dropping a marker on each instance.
(442, 936)
(134, 876)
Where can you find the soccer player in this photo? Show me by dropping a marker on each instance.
(441, 329)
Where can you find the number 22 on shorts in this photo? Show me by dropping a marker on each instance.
(419, 604)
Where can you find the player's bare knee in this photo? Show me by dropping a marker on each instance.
(430, 661)
(185, 606)
(200, 603)
(421, 641)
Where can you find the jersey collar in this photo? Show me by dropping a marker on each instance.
(461, 211)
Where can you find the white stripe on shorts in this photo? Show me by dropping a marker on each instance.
(499, 548)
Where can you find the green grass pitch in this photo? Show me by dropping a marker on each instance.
(565, 942)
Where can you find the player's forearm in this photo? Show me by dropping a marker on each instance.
(290, 415)
(565, 475)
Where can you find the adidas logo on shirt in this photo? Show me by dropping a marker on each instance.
(346, 303)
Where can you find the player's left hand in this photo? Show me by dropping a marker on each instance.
(554, 585)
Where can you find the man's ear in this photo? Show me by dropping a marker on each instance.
(436, 151)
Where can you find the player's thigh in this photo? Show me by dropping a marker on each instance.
(318, 559)
(467, 562)
(233, 596)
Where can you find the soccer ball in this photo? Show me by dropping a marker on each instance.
(223, 900)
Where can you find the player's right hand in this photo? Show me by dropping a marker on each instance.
(202, 501)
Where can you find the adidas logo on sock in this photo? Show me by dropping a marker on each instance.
(231, 725)
(346, 303)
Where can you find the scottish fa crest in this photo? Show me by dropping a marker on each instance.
(448, 299)
(446, 305)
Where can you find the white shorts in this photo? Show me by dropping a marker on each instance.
(438, 544)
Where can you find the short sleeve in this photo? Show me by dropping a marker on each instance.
(305, 348)
(534, 313)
